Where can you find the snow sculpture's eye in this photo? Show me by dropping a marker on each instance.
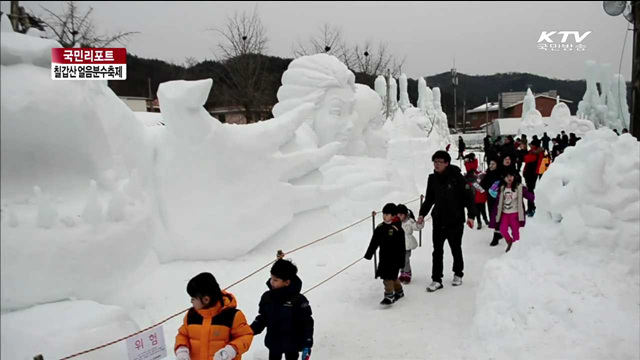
(335, 112)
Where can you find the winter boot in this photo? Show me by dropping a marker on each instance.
(388, 299)
(496, 239)
(457, 281)
(479, 225)
(509, 243)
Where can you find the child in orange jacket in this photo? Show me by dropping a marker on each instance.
(213, 328)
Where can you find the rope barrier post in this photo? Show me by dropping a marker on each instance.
(421, 200)
(38, 357)
(375, 254)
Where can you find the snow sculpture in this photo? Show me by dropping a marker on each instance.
(528, 104)
(532, 124)
(381, 87)
(364, 139)
(369, 110)
(394, 95)
(325, 81)
(404, 95)
(58, 135)
(223, 162)
(590, 107)
(618, 103)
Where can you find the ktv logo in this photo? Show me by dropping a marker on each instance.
(546, 36)
(546, 42)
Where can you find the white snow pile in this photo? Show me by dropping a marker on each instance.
(570, 288)
(74, 165)
(60, 329)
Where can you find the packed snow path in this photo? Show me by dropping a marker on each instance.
(350, 323)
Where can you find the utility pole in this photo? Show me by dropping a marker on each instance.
(464, 114)
(454, 82)
(486, 101)
(634, 124)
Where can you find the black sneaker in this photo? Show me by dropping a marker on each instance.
(386, 301)
(398, 295)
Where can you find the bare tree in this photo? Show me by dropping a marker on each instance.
(372, 60)
(241, 52)
(21, 20)
(328, 39)
(73, 27)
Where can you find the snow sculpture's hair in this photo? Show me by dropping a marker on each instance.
(307, 80)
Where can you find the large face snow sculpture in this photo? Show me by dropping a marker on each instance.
(325, 81)
(369, 110)
(334, 117)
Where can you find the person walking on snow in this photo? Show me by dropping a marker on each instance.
(532, 161)
(545, 141)
(509, 208)
(409, 225)
(461, 148)
(448, 194)
(492, 176)
(480, 196)
(285, 313)
(389, 237)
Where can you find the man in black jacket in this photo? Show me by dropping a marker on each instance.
(285, 313)
(448, 193)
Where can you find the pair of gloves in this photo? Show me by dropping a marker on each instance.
(226, 353)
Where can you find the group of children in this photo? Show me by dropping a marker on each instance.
(506, 210)
(215, 329)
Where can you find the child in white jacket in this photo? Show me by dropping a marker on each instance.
(409, 225)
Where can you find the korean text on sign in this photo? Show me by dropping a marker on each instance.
(89, 64)
(149, 345)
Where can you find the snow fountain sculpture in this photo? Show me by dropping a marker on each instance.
(404, 102)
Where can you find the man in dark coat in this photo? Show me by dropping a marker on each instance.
(449, 194)
(285, 313)
(389, 237)
(545, 141)
(565, 140)
(461, 148)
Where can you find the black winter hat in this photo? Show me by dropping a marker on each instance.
(284, 269)
(442, 155)
(390, 208)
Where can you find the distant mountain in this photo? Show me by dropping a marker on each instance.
(472, 88)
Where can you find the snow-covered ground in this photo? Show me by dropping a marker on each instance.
(104, 221)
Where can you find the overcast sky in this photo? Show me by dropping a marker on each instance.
(484, 37)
